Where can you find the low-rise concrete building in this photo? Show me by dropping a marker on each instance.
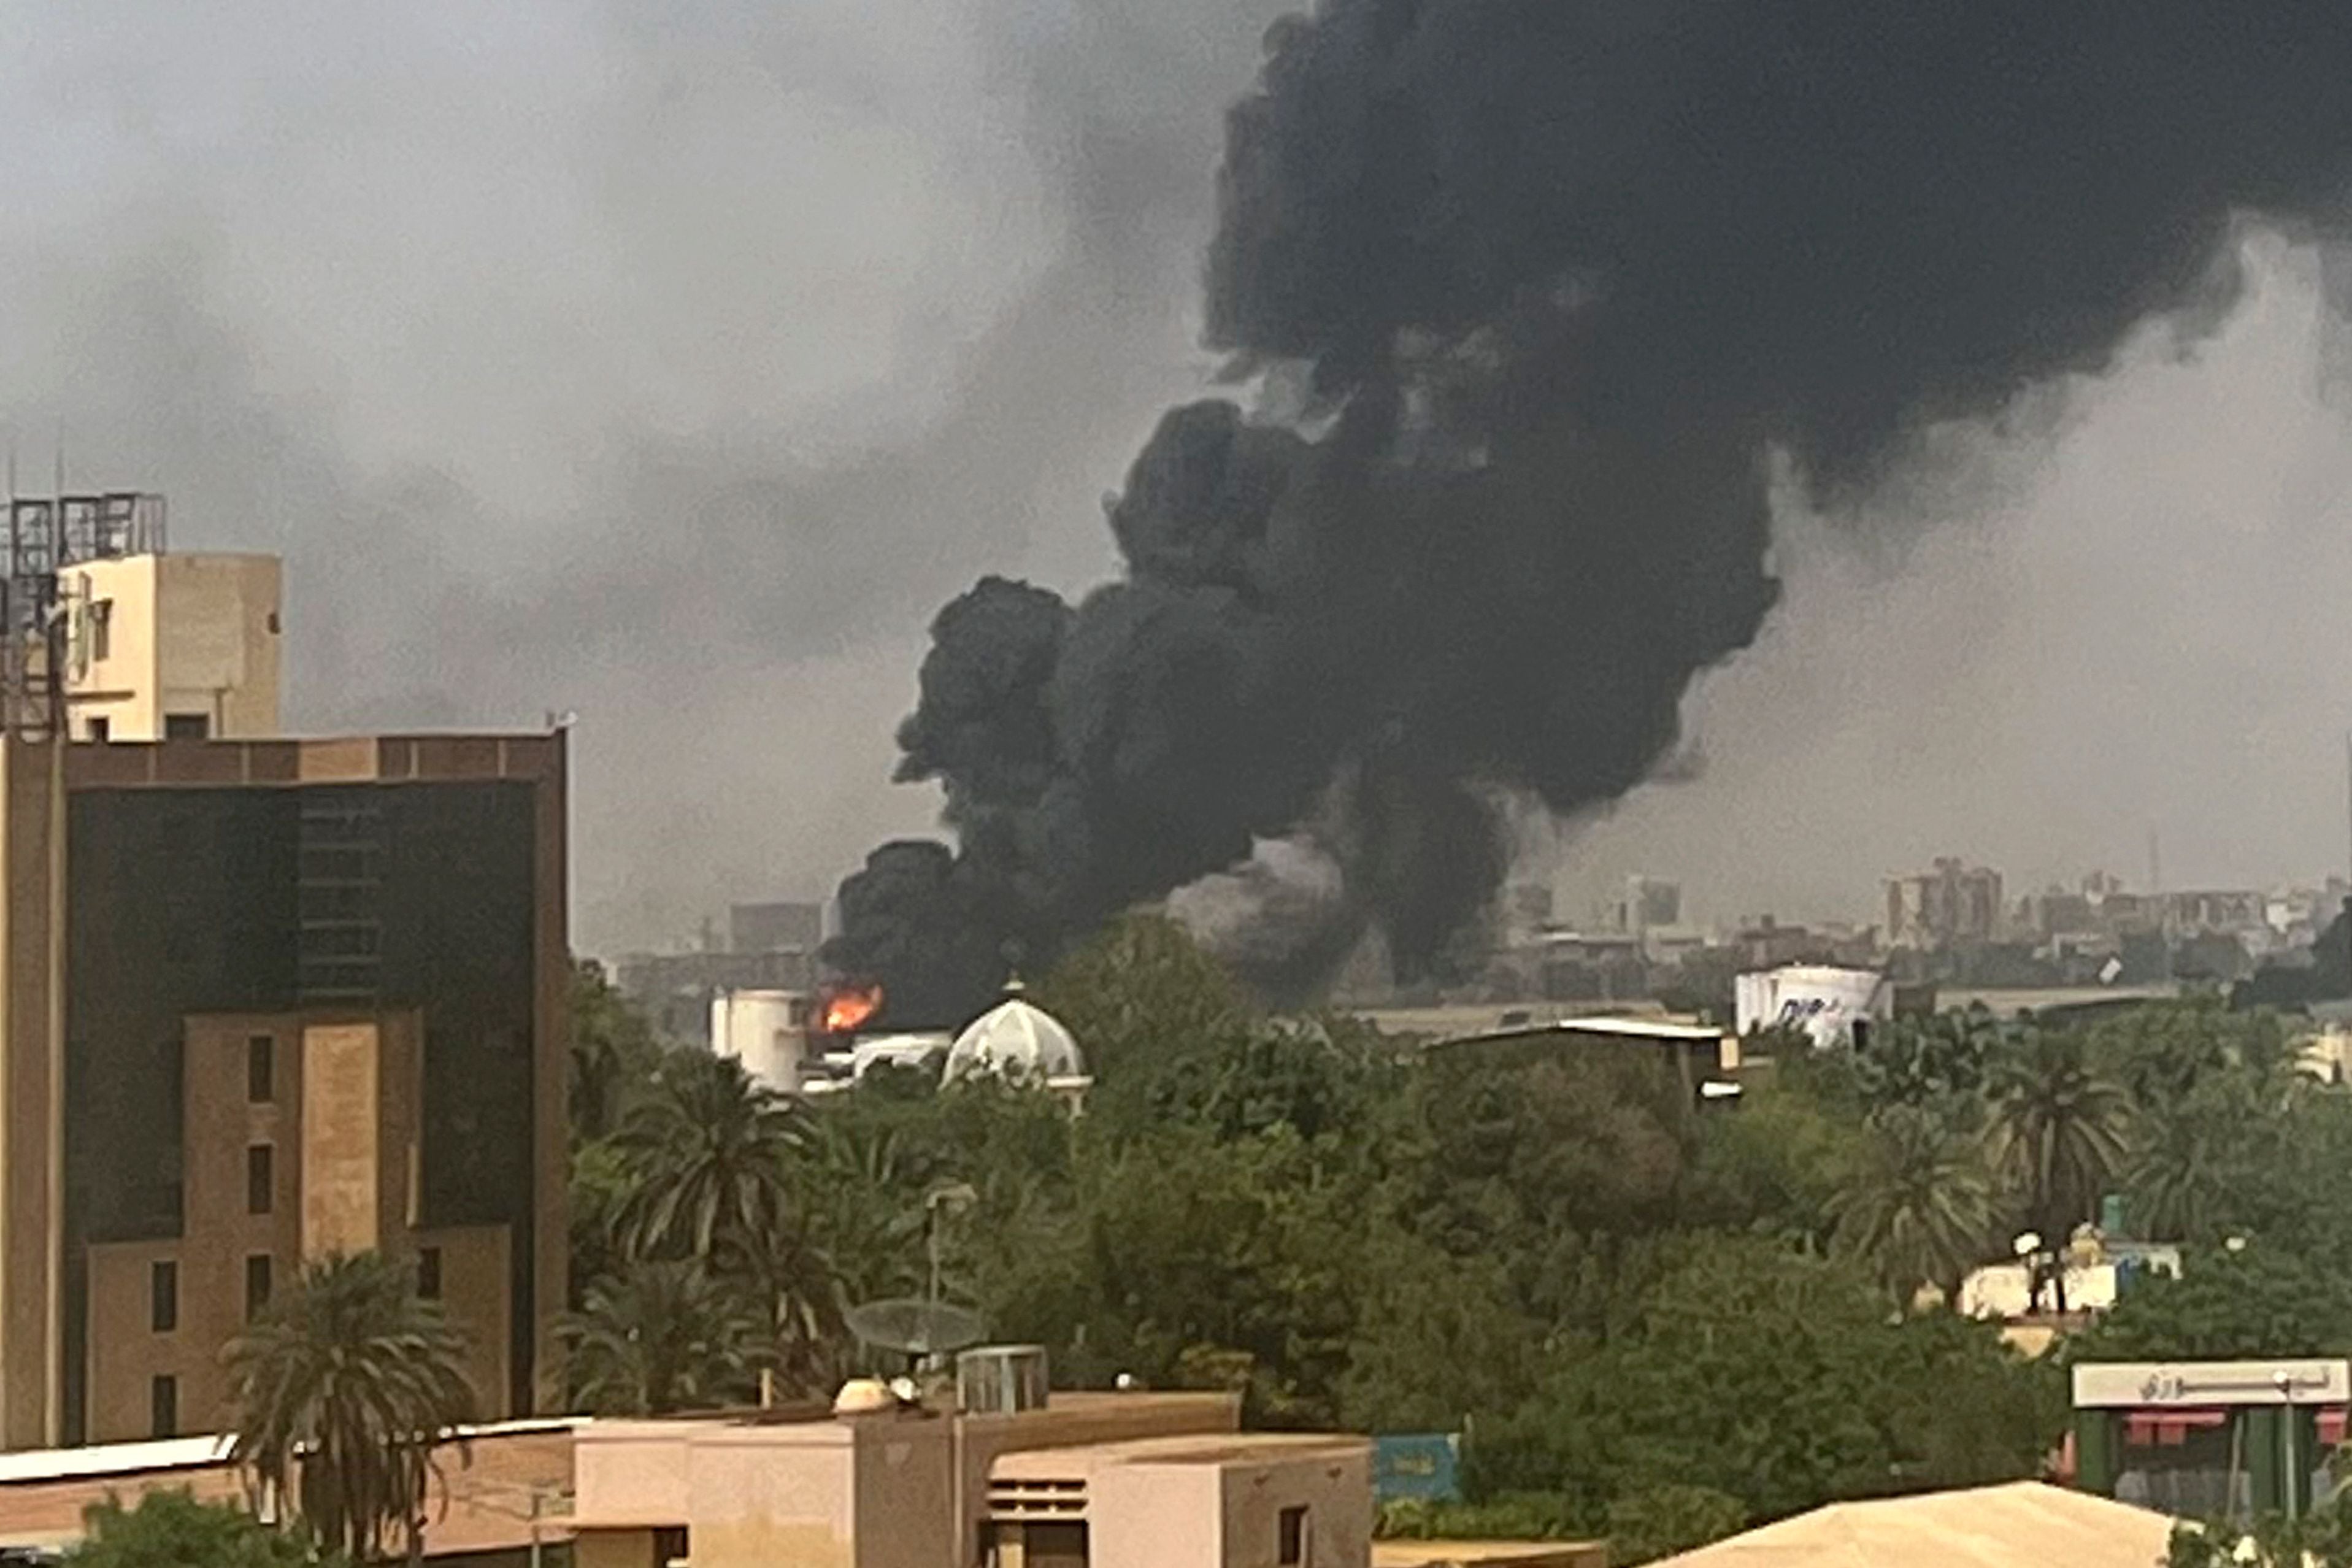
(1114, 1480)
(508, 1489)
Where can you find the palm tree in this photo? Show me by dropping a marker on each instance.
(613, 1051)
(342, 1391)
(2194, 1153)
(2059, 1133)
(2174, 1179)
(664, 1337)
(706, 1157)
(1920, 1206)
(709, 1158)
(865, 1197)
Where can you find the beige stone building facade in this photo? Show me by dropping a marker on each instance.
(1089, 1480)
(260, 1001)
(181, 646)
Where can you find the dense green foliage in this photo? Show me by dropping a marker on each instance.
(2322, 1538)
(346, 1391)
(170, 1529)
(1646, 1318)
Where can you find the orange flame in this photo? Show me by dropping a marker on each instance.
(845, 1010)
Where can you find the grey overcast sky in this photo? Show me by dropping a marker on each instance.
(670, 363)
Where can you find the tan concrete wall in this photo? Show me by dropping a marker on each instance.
(125, 688)
(906, 1506)
(474, 1292)
(22, 1161)
(746, 1509)
(217, 641)
(50, 1514)
(220, 1122)
(484, 1501)
(1074, 1419)
(342, 1153)
(356, 1121)
(614, 1549)
(125, 1351)
(1336, 1490)
(752, 1497)
(631, 1473)
(362, 1107)
(1156, 1516)
(186, 634)
(31, 1088)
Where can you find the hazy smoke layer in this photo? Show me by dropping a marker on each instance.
(1548, 286)
(664, 360)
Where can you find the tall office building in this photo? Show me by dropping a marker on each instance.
(260, 1001)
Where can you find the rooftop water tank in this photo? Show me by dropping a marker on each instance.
(1001, 1380)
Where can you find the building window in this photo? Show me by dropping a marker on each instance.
(670, 1545)
(428, 1273)
(256, 1285)
(1290, 1542)
(1058, 1543)
(101, 630)
(260, 1179)
(102, 729)
(164, 1296)
(187, 727)
(260, 1069)
(163, 1406)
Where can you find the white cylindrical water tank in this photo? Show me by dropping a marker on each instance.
(767, 1031)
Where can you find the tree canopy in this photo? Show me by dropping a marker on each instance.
(167, 1528)
(1644, 1318)
(344, 1391)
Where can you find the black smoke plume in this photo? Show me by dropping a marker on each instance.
(1532, 295)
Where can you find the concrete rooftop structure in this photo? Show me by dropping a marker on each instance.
(2024, 1524)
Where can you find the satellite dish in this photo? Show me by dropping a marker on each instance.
(916, 1327)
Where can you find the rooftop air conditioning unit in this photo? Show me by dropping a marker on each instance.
(1001, 1380)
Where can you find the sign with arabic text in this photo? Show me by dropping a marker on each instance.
(2140, 1386)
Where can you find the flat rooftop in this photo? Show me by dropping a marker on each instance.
(523, 756)
(33, 1467)
(1193, 1449)
(1660, 1031)
(1490, 1555)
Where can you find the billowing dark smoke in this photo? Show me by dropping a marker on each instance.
(1532, 293)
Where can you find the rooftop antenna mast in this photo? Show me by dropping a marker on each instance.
(39, 536)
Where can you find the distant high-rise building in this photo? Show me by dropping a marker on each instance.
(775, 927)
(1649, 903)
(1953, 902)
(1527, 907)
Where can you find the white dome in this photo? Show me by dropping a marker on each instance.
(1015, 1039)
